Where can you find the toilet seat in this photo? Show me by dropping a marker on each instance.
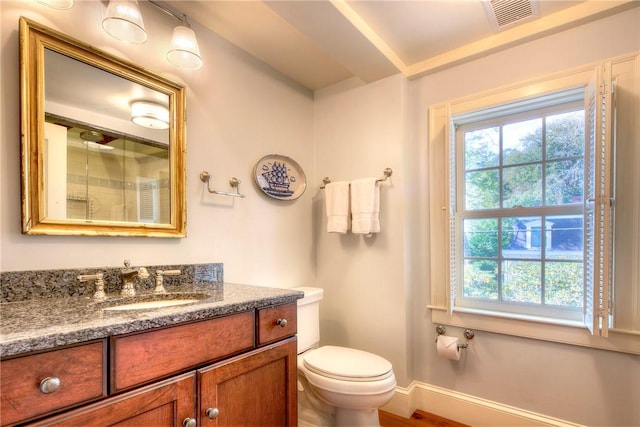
(347, 364)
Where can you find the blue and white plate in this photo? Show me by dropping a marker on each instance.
(280, 177)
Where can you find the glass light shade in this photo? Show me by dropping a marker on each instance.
(184, 51)
(97, 147)
(57, 4)
(124, 21)
(149, 115)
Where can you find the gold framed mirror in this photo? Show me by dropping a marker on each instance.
(102, 142)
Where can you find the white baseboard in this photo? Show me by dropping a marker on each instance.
(465, 408)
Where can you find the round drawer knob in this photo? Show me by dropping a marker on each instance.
(189, 422)
(281, 322)
(49, 385)
(212, 413)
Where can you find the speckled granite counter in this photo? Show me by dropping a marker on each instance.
(40, 324)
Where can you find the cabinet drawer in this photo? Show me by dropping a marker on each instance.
(141, 358)
(275, 323)
(80, 371)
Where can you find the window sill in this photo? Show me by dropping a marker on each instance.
(566, 332)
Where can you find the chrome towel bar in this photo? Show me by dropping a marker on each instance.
(233, 182)
(387, 173)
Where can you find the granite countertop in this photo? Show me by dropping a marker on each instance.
(41, 324)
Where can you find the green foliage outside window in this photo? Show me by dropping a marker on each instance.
(538, 259)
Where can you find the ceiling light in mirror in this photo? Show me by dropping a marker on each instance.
(95, 140)
(57, 4)
(124, 21)
(150, 115)
(95, 146)
(184, 51)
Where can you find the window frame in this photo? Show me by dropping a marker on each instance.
(441, 147)
(568, 101)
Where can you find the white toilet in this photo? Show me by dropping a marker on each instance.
(337, 385)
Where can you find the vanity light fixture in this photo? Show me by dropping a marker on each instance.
(184, 51)
(57, 4)
(150, 115)
(124, 21)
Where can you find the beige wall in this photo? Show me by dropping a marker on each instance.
(238, 110)
(359, 132)
(361, 129)
(376, 289)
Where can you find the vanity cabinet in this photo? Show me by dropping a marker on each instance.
(213, 372)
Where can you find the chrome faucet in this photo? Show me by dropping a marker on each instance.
(127, 274)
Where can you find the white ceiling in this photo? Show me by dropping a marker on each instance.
(318, 43)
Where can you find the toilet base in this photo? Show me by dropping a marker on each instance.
(351, 417)
(310, 415)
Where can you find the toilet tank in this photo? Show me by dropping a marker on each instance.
(309, 318)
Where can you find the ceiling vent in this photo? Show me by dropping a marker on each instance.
(506, 13)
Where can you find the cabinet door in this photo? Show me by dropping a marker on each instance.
(164, 404)
(254, 389)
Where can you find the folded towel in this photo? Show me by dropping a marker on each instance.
(337, 206)
(365, 206)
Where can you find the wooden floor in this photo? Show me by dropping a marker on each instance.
(418, 419)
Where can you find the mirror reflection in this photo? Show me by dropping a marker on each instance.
(103, 146)
(98, 165)
(93, 175)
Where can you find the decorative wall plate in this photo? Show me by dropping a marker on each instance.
(280, 177)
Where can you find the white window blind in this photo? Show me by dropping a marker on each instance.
(598, 201)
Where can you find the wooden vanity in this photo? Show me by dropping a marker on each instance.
(236, 369)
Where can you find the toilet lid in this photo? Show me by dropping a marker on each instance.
(347, 363)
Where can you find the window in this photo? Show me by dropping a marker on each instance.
(535, 190)
(519, 219)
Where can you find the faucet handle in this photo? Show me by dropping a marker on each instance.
(169, 272)
(159, 279)
(98, 277)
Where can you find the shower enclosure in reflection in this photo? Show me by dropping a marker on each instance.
(96, 175)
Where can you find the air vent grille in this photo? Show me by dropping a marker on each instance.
(506, 13)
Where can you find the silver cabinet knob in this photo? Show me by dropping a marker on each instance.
(281, 322)
(189, 422)
(212, 413)
(50, 384)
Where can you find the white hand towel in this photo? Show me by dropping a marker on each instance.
(337, 206)
(365, 206)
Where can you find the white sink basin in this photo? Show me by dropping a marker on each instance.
(151, 304)
(151, 301)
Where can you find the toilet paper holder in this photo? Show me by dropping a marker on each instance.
(468, 334)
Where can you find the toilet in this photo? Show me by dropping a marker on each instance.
(337, 385)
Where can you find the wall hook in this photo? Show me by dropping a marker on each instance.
(233, 182)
